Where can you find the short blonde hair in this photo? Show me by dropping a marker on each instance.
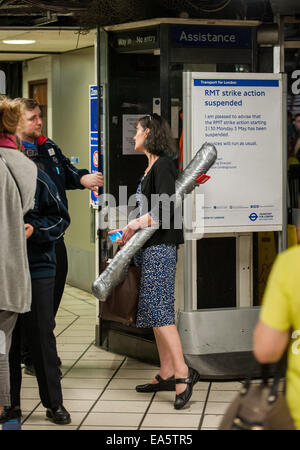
(11, 115)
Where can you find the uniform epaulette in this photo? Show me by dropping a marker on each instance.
(41, 140)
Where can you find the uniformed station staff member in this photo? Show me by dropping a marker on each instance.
(65, 176)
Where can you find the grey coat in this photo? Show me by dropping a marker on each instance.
(15, 283)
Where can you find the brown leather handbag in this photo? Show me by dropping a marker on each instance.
(122, 304)
(259, 406)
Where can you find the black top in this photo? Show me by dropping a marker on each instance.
(161, 180)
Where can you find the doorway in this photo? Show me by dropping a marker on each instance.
(38, 91)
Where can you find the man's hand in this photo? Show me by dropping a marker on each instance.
(92, 181)
(28, 230)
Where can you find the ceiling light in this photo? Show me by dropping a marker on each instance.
(19, 41)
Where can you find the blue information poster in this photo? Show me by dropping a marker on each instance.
(241, 114)
(95, 160)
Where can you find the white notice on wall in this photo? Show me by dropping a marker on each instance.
(129, 131)
(242, 116)
(2, 82)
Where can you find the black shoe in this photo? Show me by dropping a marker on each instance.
(182, 399)
(29, 370)
(59, 415)
(9, 413)
(162, 385)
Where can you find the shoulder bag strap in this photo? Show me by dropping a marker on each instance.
(8, 168)
(279, 370)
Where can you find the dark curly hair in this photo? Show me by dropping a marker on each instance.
(159, 139)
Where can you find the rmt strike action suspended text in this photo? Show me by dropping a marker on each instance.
(232, 93)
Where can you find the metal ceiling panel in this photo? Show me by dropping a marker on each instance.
(47, 41)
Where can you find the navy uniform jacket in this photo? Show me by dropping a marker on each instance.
(50, 218)
(57, 166)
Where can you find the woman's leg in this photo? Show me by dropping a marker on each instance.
(8, 321)
(166, 365)
(170, 353)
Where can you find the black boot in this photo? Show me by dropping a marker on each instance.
(9, 413)
(59, 415)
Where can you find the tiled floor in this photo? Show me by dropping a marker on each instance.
(99, 387)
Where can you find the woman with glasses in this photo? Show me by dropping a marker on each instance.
(158, 257)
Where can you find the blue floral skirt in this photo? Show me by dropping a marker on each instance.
(156, 297)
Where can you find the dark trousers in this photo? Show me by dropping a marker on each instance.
(61, 273)
(38, 325)
(60, 281)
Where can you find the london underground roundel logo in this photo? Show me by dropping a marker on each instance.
(95, 158)
(253, 217)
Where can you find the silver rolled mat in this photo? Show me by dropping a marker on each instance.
(116, 271)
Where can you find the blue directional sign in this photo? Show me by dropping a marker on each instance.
(96, 160)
